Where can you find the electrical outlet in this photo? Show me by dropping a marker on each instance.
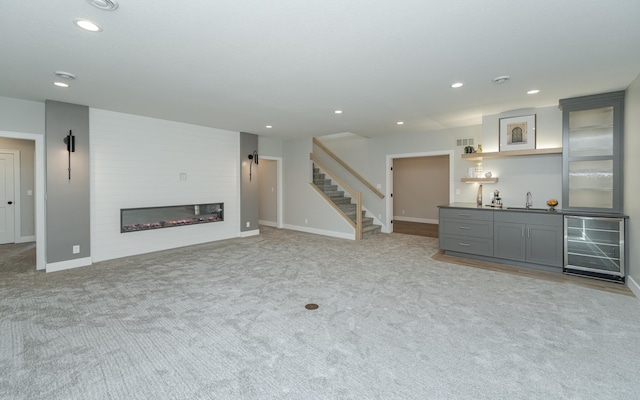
(457, 191)
(402, 212)
(76, 249)
(306, 220)
(378, 185)
(248, 224)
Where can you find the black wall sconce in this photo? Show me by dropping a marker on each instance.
(253, 156)
(70, 141)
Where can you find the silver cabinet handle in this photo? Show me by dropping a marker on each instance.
(523, 231)
(528, 232)
(464, 244)
(464, 215)
(465, 227)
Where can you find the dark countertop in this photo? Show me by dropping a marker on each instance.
(534, 210)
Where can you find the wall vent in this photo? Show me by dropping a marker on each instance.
(465, 142)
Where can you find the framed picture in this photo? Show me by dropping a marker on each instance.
(518, 133)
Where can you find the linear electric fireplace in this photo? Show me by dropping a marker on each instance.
(146, 218)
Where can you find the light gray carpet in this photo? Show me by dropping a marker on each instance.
(17, 258)
(226, 320)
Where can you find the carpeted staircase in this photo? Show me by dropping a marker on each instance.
(344, 203)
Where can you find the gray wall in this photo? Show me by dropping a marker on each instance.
(248, 188)
(420, 185)
(268, 192)
(630, 169)
(27, 150)
(67, 209)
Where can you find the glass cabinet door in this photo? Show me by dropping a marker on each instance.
(592, 153)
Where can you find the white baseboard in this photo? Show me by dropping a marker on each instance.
(341, 235)
(62, 265)
(25, 239)
(268, 223)
(633, 285)
(421, 220)
(254, 232)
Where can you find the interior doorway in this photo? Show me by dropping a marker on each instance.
(37, 193)
(416, 184)
(8, 198)
(270, 192)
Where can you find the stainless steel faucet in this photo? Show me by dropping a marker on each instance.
(529, 200)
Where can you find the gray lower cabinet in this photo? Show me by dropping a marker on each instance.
(527, 237)
(466, 231)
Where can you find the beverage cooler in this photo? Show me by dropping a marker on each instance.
(594, 247)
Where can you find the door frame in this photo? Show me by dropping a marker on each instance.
(389, 179)
(17, 199)
(278, 160)
(39, 192)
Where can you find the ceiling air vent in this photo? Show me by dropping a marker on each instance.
(107, 5)
(501, 79)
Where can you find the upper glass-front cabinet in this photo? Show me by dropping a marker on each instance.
(592, 152)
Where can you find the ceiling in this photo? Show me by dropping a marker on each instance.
(244, 64)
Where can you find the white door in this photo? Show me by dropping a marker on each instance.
(7, 200)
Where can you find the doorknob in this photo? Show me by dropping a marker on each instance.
(10, 202)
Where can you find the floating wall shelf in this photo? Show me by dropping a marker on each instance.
(479, 180)
(512, 153)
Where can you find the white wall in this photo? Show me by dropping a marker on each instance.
(136, 162)
(548, 127)
(541, 175)
(21, 116)
(631, 186)
(368, 157)
(269, 146)
(304, 209)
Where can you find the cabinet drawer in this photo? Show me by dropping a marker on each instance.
(471, 228)
(461, 213)
(462, 244)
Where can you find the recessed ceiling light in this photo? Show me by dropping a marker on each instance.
(268, 126)
(61, 84)
(65, 75)
(87, 25)
(400, 123)
(534, 91)
(456, 85)
(107, 5)
(501, 79)
(338, 111)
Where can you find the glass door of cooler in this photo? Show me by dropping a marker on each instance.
(594, 246)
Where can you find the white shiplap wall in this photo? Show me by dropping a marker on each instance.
(136, 162)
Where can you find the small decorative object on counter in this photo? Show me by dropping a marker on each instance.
(488, 174)
(552, 204)
(469, 149)
(496, 201)
(479, 149)
(479, 198)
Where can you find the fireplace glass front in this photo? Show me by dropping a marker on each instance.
(142, 219)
